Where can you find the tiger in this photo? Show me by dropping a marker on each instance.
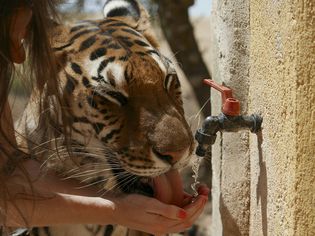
(126, 109)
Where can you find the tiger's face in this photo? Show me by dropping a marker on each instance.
(125, 103)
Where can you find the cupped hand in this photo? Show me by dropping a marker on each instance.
(152, 216)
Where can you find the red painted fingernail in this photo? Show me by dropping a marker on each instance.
(182, 214)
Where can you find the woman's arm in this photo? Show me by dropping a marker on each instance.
(55, 202)
(37, 199)
(57, 209)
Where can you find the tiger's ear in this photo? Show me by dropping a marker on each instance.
(132, 13)
(59, 35)
(60, 43)
(129, 11)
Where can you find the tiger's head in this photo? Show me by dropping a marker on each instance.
(125, 103)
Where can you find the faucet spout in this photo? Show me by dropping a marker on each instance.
(206, 135)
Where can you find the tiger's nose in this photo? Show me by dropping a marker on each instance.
(171, 157)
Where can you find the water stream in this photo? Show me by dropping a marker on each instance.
(195, 169)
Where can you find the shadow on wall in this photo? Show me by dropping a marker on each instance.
(262, 188)
(231, 227)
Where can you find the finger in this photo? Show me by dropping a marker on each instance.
(196, 204)
(186, 195)
(203, 190)
(156, 224)
(188, 198)
(168, 211)
(193, 210)
(189, 223)
(187, 201)
(198, 210)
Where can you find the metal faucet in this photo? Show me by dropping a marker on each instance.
(229, 120)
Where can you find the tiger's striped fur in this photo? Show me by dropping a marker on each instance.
(124, 103)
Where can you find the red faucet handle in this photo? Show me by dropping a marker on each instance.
(230, 105)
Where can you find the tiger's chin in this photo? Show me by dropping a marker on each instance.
(146, 186)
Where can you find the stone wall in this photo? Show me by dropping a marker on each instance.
(230, 65)
(265, 51)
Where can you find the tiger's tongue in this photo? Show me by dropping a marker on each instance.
(168, 188)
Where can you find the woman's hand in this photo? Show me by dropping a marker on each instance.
(152, 216)
(68, 205)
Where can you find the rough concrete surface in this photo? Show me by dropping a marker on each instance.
(265, 184)
(230, 65)
(282, 88)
